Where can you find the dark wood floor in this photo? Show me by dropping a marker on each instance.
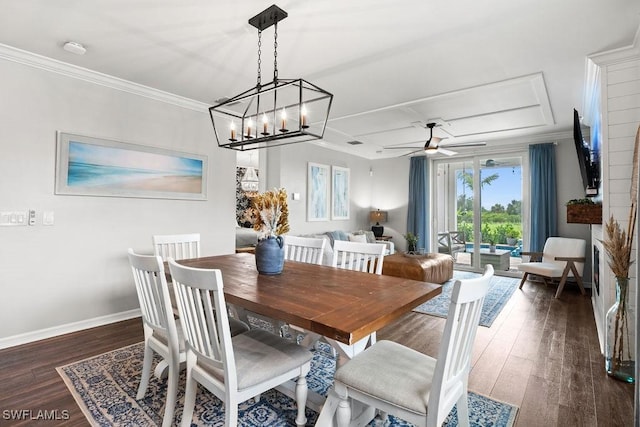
(540, 354)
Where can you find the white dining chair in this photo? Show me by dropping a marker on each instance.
(311, 251)
(304, 249)
(161, 332)
(417, 388)
(232, 368)
(357, 256)
(365, 257)
(177, 246)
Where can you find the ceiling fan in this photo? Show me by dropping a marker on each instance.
(432, 146)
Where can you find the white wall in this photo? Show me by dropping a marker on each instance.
(385, 188)
(76, 270)
(570, 187)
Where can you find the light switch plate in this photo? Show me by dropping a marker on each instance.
(14, 218)
(47, 218)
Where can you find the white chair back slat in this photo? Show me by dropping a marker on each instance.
(177, 246)
(365, 257)
(200, 294)
(304, 249)
(151, 288)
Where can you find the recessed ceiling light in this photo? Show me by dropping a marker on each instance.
(74, 47)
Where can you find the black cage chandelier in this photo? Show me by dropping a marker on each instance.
(285, 111)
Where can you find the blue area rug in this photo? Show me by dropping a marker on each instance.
(500, 290)
(105, 387)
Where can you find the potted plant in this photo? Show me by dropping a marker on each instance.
(584, 211)
(512, 236)
(490, 236)
(412, 242)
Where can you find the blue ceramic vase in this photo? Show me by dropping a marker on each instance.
(270, 255)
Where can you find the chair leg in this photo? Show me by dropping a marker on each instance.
(524, 279)
(231, 413)
(146, 372)
(343, 414)
(578, 278)
(462, 407)
(326, 416)
(563, 280)
(301, 400)
(172, 393)
(189, 400)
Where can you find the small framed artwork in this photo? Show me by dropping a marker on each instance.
(317, 192)
(91, 166)
(339, 192)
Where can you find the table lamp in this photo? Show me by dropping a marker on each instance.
(377, 216)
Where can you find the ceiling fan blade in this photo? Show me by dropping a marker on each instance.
(446, 152)
(399, 148)
(464, 144)
(414, 152)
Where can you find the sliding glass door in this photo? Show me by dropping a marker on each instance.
(478, 210)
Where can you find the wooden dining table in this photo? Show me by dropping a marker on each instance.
(342, 305)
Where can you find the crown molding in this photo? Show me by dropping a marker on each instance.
(620, 54)
(30, 59)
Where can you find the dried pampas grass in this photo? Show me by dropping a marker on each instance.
(272, 212)
(618, 247)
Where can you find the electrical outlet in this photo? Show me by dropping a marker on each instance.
(32, 217)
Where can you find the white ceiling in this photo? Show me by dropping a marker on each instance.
(484, 70)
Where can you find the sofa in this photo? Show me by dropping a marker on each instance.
(353, 236)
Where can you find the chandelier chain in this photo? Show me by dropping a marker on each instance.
(275, 53)
(259, 82)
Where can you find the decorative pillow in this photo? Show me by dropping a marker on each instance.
(336, 235)
(361, 238)
(371, 238)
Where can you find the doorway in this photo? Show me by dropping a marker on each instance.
(479, 204)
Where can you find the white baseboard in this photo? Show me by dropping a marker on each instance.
(67, 328)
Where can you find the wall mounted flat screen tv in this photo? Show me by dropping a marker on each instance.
(588, 159)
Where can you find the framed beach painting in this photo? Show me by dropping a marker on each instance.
(339, 192)
(101, 167)
(317, 192)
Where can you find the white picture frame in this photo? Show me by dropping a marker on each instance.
(340, 193)
(318, 180)
(90, 166)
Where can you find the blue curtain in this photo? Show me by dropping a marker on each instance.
(544, 206)
(417, 217)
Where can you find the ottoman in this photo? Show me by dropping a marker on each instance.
(433, 268)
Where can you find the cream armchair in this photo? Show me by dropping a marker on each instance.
(561, 257)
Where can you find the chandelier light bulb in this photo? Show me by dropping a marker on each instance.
(283, 120)
(265, 124)
(232, 128)
(303, 116)
(249, 126)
